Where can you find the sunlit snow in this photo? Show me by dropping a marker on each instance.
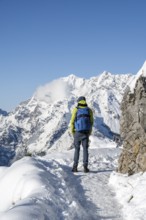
(44, 188)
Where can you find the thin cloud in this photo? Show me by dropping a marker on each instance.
(53, 91)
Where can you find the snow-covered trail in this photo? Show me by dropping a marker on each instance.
(97, 188)
(44, 188)
(99, 193)
(91, 191)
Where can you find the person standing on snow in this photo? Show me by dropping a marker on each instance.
(81, 127)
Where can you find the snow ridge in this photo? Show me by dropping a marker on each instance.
(45, 188)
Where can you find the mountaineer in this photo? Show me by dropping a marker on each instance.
(81, 127)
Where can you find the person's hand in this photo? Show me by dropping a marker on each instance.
(73, 131)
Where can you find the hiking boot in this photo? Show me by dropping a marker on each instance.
(86, 170)
(74, 169)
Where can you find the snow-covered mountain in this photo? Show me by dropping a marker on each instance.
(44, 187)
(41, 123)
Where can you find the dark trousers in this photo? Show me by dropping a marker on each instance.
(81, 138)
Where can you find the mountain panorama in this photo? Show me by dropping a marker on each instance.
(41, 123)
(36, 152)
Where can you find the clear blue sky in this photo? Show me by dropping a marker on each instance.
(41, 40)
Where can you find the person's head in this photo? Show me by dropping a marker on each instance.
(82, 101)
(81, 98)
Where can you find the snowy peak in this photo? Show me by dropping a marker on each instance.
(141, 72)
(59, 89)
(74, 82)
(144, 68)
(41, 124)
(66, 87)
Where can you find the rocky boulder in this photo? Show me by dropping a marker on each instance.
(133, 126)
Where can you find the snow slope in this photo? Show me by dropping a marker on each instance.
(44, 188)
(131, 193)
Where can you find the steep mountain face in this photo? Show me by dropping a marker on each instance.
(133, 125)
(4, 113)
(42, 123)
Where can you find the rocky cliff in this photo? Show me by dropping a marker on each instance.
(133, 125)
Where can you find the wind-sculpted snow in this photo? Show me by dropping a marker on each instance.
(41, 123)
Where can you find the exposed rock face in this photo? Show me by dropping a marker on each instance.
(4, 113)
(133, 128)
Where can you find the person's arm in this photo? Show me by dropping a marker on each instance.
(91, 120)
(72, 121)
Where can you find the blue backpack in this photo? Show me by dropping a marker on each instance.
(82, 121)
